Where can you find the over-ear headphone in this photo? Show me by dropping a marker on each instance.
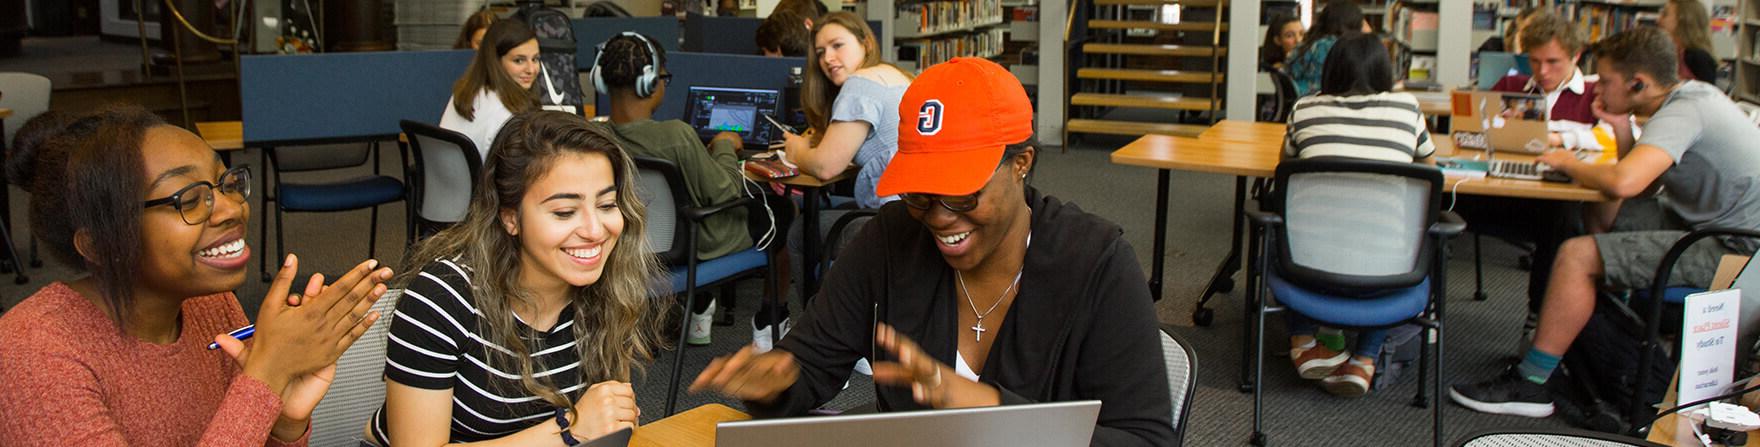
(646, 83)
(1638, 86)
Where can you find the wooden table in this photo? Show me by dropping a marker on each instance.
(1250, 149)
(222, 135)
(694, 427)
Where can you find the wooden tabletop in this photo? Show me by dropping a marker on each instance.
(222, 135)
(806, 181)
(694, 427)
(1251, 149)
(5, 113)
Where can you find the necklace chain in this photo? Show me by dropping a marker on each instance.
(978, 329)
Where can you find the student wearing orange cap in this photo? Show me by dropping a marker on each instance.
(974, 289)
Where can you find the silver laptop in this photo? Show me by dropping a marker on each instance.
(1058, 423)
(1514, 122)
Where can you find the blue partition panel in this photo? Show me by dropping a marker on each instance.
(725, 35)
(592, 31)
(339, 96)
(715, 70)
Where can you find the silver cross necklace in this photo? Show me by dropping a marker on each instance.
(978, 329)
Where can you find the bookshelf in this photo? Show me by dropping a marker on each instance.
(930, 32)
(1746, 85)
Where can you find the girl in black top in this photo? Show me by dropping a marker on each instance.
(528, 317)
(1690, 26)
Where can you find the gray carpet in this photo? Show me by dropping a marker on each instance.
(1478, 335)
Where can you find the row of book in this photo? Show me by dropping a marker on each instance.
(926, 52)
(935, 17)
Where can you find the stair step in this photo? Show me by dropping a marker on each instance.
(1134, 128)
(1140, 101)
(1151, 50)
(1123, 74)
(1145, 24)
(1186, 3)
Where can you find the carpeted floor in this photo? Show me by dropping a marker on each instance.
(1479, 335)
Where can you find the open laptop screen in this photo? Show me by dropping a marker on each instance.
(712, 110)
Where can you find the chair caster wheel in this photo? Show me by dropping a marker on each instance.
(1203, 316)
(21, 280)
(1244, 388)
(1226, 285)
(1258, 439)
(1479, 296)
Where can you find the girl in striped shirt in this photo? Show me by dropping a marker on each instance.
(528, 317)
(1356, 114)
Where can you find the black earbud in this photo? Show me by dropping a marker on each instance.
(1638, 86)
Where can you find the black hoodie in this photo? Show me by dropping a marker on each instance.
(1081, 327)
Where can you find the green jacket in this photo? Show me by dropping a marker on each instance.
(712, 176)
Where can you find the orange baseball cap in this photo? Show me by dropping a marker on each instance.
(953, 123)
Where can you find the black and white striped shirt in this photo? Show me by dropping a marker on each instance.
(436, 343)
(1381, 126)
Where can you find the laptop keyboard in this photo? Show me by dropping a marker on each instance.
(1515, 169)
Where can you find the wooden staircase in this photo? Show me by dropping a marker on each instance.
(1129, 57)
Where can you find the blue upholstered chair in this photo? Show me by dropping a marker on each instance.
(352, 194)
(1352, 243)
(672, 223)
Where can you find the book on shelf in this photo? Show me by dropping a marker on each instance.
(933, 17)
(925, 52)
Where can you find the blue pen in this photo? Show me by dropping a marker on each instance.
(242, 334)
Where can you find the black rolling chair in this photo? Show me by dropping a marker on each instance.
(445, 169)
(671, 234)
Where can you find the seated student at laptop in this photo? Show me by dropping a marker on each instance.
(523, 323)
(119, 354)
(965, 293)
(1356, 100)
(851, 101)
(713, 174)
(1554, 45)
(1697, 147)
(497, 84)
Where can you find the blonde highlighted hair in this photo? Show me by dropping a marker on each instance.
(615, 320)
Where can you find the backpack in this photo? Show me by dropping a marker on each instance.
(559, 84)
(1398, 354)
(1598, 375)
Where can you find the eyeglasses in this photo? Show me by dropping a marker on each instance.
(666, 77)
(958, 204)
(196, 201)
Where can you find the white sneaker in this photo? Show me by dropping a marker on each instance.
(700, 326)
(761, 337)
(863, 368)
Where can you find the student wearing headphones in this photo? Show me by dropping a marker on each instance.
(1697, 147)
(631, 70)
(496, 86)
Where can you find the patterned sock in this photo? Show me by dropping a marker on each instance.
(1333, 338)
(1537, 366)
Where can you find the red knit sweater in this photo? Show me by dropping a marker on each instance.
(71, 378)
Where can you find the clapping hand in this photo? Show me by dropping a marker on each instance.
(932, 383)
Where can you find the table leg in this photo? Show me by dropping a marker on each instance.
(1155, 265)
(1223, 280)
(809, 242)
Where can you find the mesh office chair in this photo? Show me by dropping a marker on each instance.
(346, 195)
(1182, 379)
(1550, 438)
(446, 167)
(1352, 243)
(358, 390)
(672, 235)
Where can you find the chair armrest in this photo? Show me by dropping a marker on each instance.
(1266, 218)
(1448, 224)
(703, 212)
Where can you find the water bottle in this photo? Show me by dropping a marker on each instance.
(791, 98)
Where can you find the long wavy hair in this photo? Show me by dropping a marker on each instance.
(817, 93)
(485, 71)
(615, 321)
(1692, 25)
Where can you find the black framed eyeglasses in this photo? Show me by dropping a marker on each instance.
(196, 201)
(664, 77)
(958, 204)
